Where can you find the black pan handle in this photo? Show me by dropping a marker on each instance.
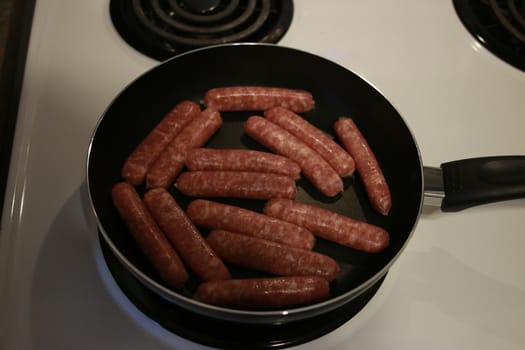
(474, 181)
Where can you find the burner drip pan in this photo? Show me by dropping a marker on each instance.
(498, 25)
(161, 29)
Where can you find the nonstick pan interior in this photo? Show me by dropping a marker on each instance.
(337, 92)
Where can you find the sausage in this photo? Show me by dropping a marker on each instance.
(215, 215)
(319, 141)
(280, 141)
(241, 160)
(183, 235)
(139, 161)
(258, 98)
(264, 293)
(366, 163)
(236, 184)
(170, 162)
(267, 256)
(148, 235)
(330, 225)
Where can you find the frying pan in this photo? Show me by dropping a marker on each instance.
(337, 92)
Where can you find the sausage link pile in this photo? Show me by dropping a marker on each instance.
(278, 241)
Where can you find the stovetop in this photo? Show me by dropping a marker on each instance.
(458, 285)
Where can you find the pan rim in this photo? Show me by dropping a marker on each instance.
(239, 315)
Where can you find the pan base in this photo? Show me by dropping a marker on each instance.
(224, 334)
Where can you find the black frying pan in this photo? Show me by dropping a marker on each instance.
(337, 92)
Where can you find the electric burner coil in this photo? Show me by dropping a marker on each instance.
(161, 29)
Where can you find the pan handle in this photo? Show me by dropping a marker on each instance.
(465, 183)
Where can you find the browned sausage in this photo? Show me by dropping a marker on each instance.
(319, 141)
(367, 166)
(236, 184)
(214, 215)
(330, 225)
(258, 98)
(181, 232)
(241, 160)
(170, 162)
(280, 141)
(139, 161)
(267, 256)
(264, 293)
(148, 235)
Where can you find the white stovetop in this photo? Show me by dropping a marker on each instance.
(460, 284)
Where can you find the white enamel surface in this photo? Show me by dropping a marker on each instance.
(459, 284)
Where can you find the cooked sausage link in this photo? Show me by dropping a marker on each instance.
(140, 160)
(148, 235)
(241, 160)
(280, 141)
(264, 293)
(366, 163)
(316, 139)
(330, 225)
(188, 242)
(215, 215)
(258, 98)
(236, 184)
(170, 162)
(267, 256)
